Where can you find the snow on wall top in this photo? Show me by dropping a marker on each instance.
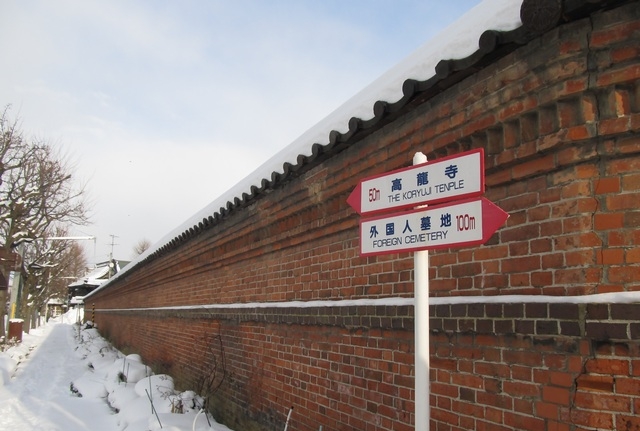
(459, 40)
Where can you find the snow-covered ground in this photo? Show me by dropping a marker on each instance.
(66, 377)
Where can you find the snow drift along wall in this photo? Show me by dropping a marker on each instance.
(535, 330)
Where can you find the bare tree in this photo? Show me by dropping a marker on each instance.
(142, 246)
(36, 193)
(53, 263)
(12, 144)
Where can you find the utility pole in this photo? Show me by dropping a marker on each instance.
(113, 239)
(111, 264)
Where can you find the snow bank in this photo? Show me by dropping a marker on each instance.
(141, 400)
(18, 352)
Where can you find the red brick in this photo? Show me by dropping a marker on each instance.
(591, 419)
(489, 253)
(580, 133)
(625, 201)
(612, 126)
(627, 422)
(624, 74)
(611, 35)
(528, 263)
(631, 182)
(633, 256)
(605, 402)
(607, 185)
(627, 165)
(542, 279)
(623, 274)
(595, 383)
(556, 395)
(546, 410)
(612, 256)
(524, 232)
(589, 105)
(520, 389)
(578, 223)
(606, 221)
(522, 422)
(624, 53)
(533, 167)
(499, 177)
(568, 242)
(579, 258)
(576, 188)
(628, 386)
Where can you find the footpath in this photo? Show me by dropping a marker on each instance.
(37, 394)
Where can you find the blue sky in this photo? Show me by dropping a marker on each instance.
(165, 105)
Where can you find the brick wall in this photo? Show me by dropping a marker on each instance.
(339, 366)
(536, 366)
(558, 119)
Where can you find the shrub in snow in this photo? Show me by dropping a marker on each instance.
(130, 413)
(125, 370)
(102, 360)
(91, 335)
(134, 370)
(191, 402)
(7, 344)
(91, 344)
(134, 357)
(159, 385)
(121, 396)
(143, 401)
(89, 385)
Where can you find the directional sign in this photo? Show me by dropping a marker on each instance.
(454, 177)
(458, 224)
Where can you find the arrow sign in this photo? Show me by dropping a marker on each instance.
(454, 177)
(458, 224)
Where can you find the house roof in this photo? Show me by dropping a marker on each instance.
(76, 300)
(55, 301)
(99, 274)
(495, 27)
(94, 278)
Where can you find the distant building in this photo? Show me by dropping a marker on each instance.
(102, 272)
(55, 307)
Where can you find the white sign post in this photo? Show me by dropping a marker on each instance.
(469, 220)
(421, 332)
